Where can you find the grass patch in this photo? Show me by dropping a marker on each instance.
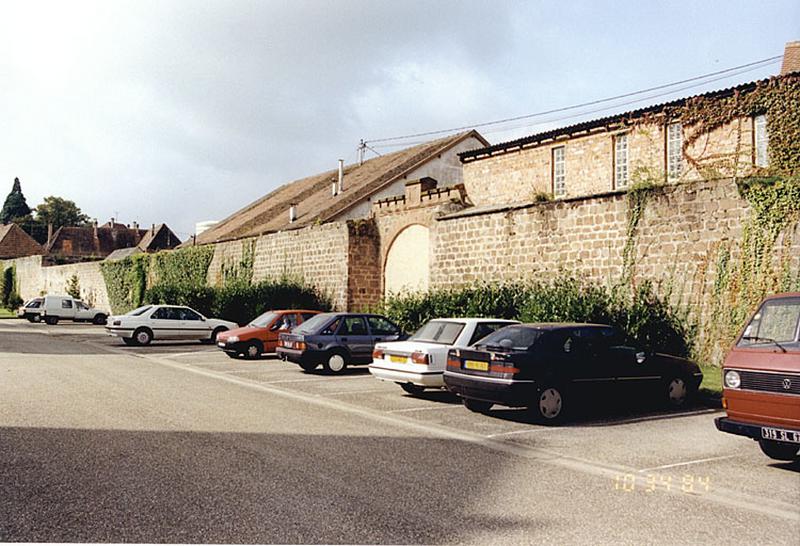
(5, 313)
(712, 381)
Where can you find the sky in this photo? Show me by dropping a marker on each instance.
(182, 111)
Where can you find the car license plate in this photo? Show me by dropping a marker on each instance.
(398, 359)
(779, 435)
(476, 365)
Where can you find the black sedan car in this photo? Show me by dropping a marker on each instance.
(551, 368)
(336, 340)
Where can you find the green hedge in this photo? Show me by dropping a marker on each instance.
(648, 321)
(240, 302)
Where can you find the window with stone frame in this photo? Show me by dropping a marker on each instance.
(621, 161)
(760, 140)
(559, 172)
(674, 150)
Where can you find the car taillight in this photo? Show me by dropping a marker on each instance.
(377, 353)
(453, 362)
(500, 368)
(419, 357)
(300, 345)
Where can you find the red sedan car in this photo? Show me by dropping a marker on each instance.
(261, 335)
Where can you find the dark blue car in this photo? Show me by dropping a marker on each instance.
(337, 340)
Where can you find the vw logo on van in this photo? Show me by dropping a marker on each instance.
(787, 383)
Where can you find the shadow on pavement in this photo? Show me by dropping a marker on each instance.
(76, 485)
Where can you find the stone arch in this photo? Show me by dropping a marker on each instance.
(407, 263)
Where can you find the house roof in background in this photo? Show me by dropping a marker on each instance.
(16, 243)
(312, 195)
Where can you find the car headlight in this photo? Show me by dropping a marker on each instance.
(732, 379)
(233, 339)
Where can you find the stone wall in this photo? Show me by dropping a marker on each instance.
(35, 280)
(677, 243)
(318, 255)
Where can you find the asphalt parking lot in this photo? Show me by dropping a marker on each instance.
(638, 453)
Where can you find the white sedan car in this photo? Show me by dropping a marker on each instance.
(419, 362)
(143, 325)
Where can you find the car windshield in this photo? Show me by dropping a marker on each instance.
(264, 320)
(515, 338)
(139, 311)
(314, 323)
(438, 331)
(776, 323)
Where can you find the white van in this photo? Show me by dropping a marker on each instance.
(55, 308)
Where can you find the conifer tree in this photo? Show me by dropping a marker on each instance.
(15, 206)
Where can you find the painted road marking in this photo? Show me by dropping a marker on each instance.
(687, 463)
(720, 496)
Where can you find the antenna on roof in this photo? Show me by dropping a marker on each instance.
(362, 148)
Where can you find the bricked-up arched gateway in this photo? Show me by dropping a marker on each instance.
(407, 266)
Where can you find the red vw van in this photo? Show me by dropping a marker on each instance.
(761, 379)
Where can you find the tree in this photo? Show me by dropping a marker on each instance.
(15, 206)
(60, 212)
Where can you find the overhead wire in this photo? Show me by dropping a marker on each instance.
(707, 78)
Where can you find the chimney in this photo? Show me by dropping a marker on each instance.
(791, 58)
(135, 226)
(341, 175)
(112, 222)
(292, 212)
(94, 227)
(334, 188)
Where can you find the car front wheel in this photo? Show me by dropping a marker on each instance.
(780, 451)
(677, 392)
(143, 336)
(253, 350)
(51, 320)
(99, 319)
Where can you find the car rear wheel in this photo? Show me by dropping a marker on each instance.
(412, 389)
(677, 392)
(99, 319)
(253, 350)
(214, 334)
(143, 336)
(335, 363)
(780, 451)
(51, 320)
(478, 406)
(549, 405)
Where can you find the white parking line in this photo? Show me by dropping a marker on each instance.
(350, 392)
(526, 431)
(426, 408)
(650, 418)
(687, 463)
(720, 496)
(309, 379)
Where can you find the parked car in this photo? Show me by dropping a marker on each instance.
(261, 335)
(761, 379)
(156, 322)
(51, 309)
(31, 310)
(336, 340)
(419, 362)
(552, 368)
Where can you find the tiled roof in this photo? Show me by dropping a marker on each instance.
(617, 120)
(313, 198)
(15, 243)
(81, 241)
(158, 238)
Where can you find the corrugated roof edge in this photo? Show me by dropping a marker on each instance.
(537, 138)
